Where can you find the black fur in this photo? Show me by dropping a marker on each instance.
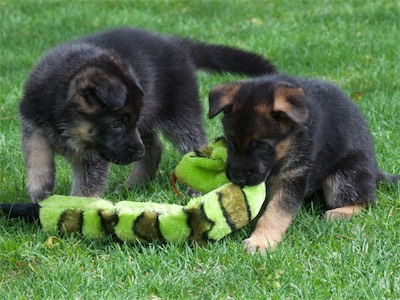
(103, 98)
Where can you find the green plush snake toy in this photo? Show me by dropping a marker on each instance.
(212, 216)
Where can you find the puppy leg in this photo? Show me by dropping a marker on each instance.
(183, 124)
(89, 176)
(344, 212)
(186, 138)
(345, 192)
(273, 223)
(146, 168)
(39, 160)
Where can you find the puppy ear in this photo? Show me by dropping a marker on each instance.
(221, 98)
(292, 102)
(112, 94)
(109, 93)
(134, 83)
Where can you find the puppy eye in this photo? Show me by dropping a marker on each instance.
(260, 145)
(117, 124)
(280, 115)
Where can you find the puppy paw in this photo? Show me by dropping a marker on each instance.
(38, 192)
(120, 190)
(258, 244)
(138, 179)
(191, 192)
(344, 212)
(333, 215)
(38, 195)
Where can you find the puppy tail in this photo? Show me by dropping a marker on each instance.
(388, 178)
(26, 211)
(218, 58)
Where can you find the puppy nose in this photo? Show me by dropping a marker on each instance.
(239, 181)
(137, 152)
(239, 178)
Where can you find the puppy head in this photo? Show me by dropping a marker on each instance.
(259, 118)
(104, 104)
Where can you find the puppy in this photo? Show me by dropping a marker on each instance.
(301, 136)
(103, 98)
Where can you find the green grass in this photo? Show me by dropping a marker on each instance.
(352, 43)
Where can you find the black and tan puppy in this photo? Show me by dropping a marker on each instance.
(301, 136)
(104, 97)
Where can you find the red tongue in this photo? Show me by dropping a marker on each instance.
(173, 181)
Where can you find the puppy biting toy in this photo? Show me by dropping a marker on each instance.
(211, 216)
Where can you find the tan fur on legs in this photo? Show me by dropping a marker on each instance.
(39, 159)
(344, 212)
(270, 227)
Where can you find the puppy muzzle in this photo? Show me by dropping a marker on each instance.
(245, 177)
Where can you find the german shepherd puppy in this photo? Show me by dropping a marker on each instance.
(104, 97)
(301, 136)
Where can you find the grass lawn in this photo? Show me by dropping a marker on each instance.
(352, 43)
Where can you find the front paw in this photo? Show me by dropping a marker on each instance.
(40, 184)
(258, 244)
(38, 194)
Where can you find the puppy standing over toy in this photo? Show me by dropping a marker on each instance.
(104, 97)
(301, 136)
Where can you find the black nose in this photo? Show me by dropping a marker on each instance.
(245, 177)
(239, 181)
(137, 152)
(241, 178)
(238, 177)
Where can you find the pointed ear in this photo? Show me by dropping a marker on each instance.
(221, 98)
(292, 102)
